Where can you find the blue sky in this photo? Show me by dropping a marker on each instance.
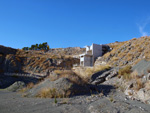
(72, 23)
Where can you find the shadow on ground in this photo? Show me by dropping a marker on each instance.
(105, 89)
(6, 81)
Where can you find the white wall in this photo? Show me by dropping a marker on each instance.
(96, 50)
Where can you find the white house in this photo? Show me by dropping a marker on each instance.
(92, 52)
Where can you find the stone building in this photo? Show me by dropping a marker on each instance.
(92, 52)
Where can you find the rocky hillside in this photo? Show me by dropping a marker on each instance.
(128, 52)
(7, 50)
(19, 61)
(124, 69)
(67, 51)
(132, 59)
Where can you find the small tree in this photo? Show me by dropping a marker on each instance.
(43, 46)
(48, 47)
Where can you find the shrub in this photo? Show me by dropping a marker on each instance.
(139, 84)
(115, 58)
(30, 85)
(107, 55)
(134, 75)
(125, 72)
(72, 76)
(86, 72)
(101, 67)
(49, 93)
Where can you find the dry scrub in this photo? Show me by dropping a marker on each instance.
(125, 72)
(131, 51)
(147, 85)
(129, 75)
(72, 76)
(28, 86)
(49, 93)
(86, 72)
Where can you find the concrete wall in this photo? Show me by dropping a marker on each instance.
(82, 61)
(92, 52)
(96, 50)
(88, 61)
(87, 48)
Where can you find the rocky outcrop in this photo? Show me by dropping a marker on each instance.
(18, 61)
(60, 87)
(102, 76)
(7, 50)
(137, 86)
(67, 51)
(12, 64)
(16, 86)
(128, 52)
(142, 68)
(41, 65)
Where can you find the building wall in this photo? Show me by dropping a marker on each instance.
(82, 61)
(88, 61)
(96, 50)
(92, 52)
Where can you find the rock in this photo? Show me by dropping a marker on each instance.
(143, 95)
(128, 92)
(16, 86)
(148, 76)
(7, 50)
(63, 86)
(12, 64)
(112, 74)
(125, 62)
(102, 76)
(142, 67)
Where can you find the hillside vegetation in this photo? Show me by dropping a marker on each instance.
(132, 59)
(37, 61)
(128, 52)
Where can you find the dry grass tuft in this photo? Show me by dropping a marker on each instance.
(125, 72)
(147, 85)
(129, 51)
(50, 93)
(47, 92)
(86, 72)
(30, 85)
(139, 84)
(134, 75)
(67, 74)
(137, 61)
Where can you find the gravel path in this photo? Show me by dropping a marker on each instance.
(115, 102)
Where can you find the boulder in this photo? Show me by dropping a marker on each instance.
(142, 67)
(143, 95)
(102, 76)
(16, 86)
(62, 86)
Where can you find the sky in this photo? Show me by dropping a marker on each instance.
(72, 23)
